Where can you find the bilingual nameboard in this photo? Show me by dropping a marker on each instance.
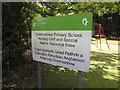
(63, 40)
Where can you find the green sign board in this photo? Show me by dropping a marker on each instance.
(68, 22)
(63, 40)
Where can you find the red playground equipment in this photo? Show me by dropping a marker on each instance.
(101, 34)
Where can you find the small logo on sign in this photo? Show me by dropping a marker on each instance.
(34, 24)
(85, 21)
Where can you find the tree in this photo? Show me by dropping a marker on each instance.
(17, 20)
(16, 27)
(104, 12)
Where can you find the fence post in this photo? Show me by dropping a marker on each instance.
(79, 78)
(39, 75)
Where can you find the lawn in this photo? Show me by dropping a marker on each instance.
(103, 72)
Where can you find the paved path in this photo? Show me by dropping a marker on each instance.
(115, 48)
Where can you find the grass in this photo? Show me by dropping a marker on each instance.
(103, 70)
(23, 77)
(103, 73)
(59, 77)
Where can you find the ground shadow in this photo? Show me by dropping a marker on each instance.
(103, 73)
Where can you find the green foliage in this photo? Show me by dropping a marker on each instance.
(17, 17)
(100, 8)
(16, 27)
(111, 24)
(107, 13)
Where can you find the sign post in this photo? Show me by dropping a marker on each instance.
(79, 79)
(39, 76)
(63, 41)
